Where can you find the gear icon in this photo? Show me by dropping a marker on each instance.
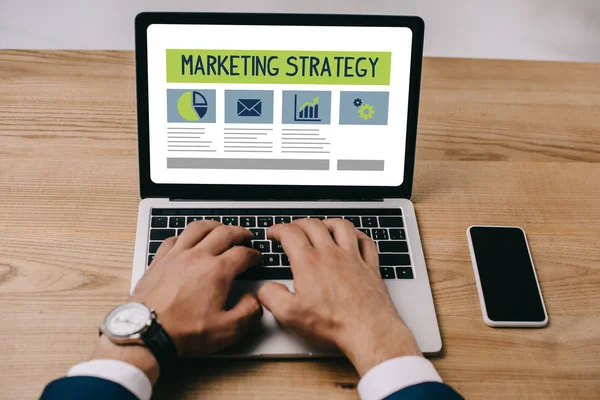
(366, 112)
(357, 102)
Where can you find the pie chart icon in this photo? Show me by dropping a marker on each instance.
(192, 106)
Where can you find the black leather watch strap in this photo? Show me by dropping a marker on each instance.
(161, 345)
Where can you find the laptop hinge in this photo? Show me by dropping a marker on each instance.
(282, 200)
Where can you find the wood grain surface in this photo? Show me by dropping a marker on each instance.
(500, 142)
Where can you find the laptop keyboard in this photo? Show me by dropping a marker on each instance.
(385, 226)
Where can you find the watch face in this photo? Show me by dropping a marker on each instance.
(128, 319)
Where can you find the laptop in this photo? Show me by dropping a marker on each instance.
(259, 119)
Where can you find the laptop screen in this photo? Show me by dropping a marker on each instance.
(278, 105)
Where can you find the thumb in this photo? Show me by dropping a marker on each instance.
(277, 298)
(244, 313)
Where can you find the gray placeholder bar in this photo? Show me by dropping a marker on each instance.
(360, 165)
(249, 163)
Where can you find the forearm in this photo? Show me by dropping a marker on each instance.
(378, 343)
(138, 356)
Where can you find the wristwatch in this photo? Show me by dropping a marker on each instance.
(136, 323)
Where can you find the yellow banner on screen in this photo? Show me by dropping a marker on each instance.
(279, 67)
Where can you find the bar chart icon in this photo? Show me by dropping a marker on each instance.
(308, 111)
(306, 107)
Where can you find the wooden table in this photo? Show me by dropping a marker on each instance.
(500, 142)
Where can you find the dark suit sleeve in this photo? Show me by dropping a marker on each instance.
(85, 387)
(427, 390)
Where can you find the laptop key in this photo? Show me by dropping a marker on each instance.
(259, 273)
(164, 211)
(283, 220)
(176, 222)
(298, 217)
(397, 234)
(387, 272)
(404, 273)
(192, 219)
(259, 234)
(265, 222)
(159, 222)
(285, 260)
(179, 232)
(277, 248)
(262, 246)
(366, 232)
(247, 244)
(380, 234)
(248, 222)
(230, 221)
(150, 259)
(270, 260)
(354, 220)
(391, 222)
(394, 259)
(211, 218)
(369, 222)
(153, 247)
(393, 246)
(161, 234)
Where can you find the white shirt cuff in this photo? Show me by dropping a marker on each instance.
(396, 374)
(122, 373)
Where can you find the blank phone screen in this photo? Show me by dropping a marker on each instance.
(510, 290)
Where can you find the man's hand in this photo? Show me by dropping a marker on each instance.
(339, 297)
(187, 285)
(188, 282)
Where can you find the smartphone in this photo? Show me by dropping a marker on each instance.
(509, 291)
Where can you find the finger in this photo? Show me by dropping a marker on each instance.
(344, 234)
(163, 249)
(195, 232)
(238, 259)
(156, 269)
(368, 250)
(316, 231)
(236, 322)
(292, 238)
(246, 310)
(277, 298)
(223, 238)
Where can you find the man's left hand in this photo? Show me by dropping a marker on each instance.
(187, 285)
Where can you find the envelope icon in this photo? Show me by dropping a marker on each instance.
(249, 107)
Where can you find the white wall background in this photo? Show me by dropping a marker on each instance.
(513, 29)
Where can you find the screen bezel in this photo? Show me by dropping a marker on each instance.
(148, 188)
(482, 302)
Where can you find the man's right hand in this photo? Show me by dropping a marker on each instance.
(339, 297)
